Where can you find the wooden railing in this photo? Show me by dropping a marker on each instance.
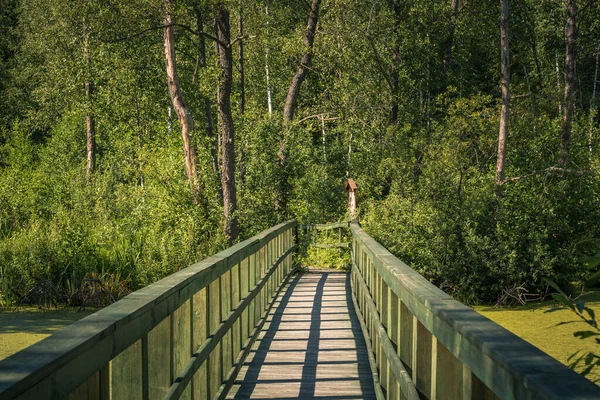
(424, 341)
(184, 336)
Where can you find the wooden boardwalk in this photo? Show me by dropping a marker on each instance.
(311, 346)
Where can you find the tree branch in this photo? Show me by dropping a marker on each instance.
(237, 39)
(185, 27)
(319, 116)
(549, 169)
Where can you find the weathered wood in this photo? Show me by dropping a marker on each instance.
(181, 342)
(325, 227)
(385, 352)
(311, 346)
(332, 245)
(442, 341)
(200, 334)
(159, 356)
(126, 369)
(206, 350)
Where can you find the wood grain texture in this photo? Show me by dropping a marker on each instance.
(310, 347)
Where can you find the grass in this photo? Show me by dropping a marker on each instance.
(25, 326)
(541, 329)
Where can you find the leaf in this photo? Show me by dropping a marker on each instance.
(592, 314)
(563, 300)
(590, 261)
(555, 286)
(585, 334)
(595, 276)
(580, 304)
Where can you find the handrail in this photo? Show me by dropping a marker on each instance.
(325, 227)
(162, 340)
(447, 349)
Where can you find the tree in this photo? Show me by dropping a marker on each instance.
(226, 124)
(505, 111)
(90, 130)
(450, 39)
(182, 110)
(291, 99)
(292, 96)
(569, 99)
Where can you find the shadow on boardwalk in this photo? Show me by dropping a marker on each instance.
(312, 346)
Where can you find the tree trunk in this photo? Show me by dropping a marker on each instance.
(90, 131)
(395, 78)
(183, 113)
(309, 38)
(226, 126)
(241, 50)
(291, 101)
(242, 157)
(207, 114)
(450, 39)
(269, 99)
(593, 103)
(505, 112)
(570, 60)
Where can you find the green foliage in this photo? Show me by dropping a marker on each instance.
(579, 359)
(425, 180)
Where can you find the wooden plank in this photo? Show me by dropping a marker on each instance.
(200, 333)
(90, 389)
(205, 351)
(159, 356)
(214, 359)
(181, 342)
(126, 369)
(316, 370)
(449, 374)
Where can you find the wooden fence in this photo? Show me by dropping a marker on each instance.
(185, 336)
(424, 341)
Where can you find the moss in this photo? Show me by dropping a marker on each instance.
(25, 326)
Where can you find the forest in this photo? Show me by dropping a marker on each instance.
(138, 137)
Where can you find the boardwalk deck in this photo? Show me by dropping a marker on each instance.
(311, 347)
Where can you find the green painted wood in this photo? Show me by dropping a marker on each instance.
(500, 362)
(227, 342)
(384, 346)
(200, 333)
(181, 341)
(90, 389)
(208, 350)
(60, 364)
(126, 370)
(214, 359)
(159, 357)
(325, 227)
(448, 376)
(423, 359)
